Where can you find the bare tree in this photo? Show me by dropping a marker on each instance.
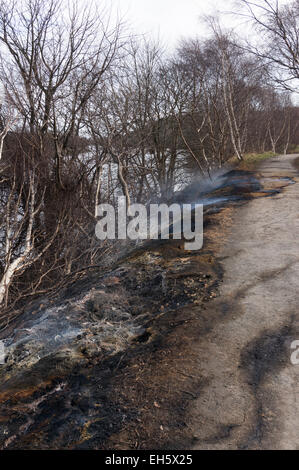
(279, 26)
(51, 65)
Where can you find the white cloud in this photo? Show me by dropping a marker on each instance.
(169, 19)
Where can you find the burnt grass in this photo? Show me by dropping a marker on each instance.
(148, 389)
(138, 398)
(134, 399)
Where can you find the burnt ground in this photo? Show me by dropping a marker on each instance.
(113, 361)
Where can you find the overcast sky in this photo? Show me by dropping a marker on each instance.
(171, 19)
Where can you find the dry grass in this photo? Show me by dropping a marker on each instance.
(252, 160)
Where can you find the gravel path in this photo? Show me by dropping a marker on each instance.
(251, 398)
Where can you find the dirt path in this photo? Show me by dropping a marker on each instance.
(251, 399)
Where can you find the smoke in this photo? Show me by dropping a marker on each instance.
(204, 185)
